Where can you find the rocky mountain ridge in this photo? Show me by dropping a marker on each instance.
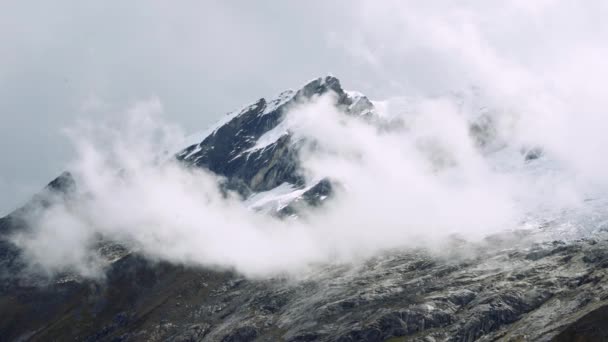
(510, 286)
(256, 154)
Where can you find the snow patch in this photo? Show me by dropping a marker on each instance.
(360, 105)
(353, 94)
(270, 137)
(277, 198)
(274, 199)
(279, 101)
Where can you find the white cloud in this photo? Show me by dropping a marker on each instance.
(414, 186)
(537, 71)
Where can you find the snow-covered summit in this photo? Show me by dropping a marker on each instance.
(253, 147)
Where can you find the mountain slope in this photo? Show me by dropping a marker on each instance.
(511, 288)
(257, 153)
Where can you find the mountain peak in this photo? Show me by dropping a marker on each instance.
(253, 147)
(321, 86)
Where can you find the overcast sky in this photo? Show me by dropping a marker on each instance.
(65, 60)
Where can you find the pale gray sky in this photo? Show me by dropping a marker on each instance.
(63, 60)
(199, 58)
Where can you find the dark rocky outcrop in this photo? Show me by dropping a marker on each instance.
(227, 150)
(398, 297)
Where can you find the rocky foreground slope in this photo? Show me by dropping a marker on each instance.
(513, 287)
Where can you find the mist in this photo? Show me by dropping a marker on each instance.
(429, 177)
(418, 183)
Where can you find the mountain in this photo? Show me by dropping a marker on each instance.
(257, 154)
(507, 287)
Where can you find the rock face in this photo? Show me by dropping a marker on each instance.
(252, 151)
(512, 288)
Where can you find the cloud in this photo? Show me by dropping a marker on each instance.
(414, 185)
(530, 77)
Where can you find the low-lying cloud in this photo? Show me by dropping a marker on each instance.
(478, 88)
(413, 182)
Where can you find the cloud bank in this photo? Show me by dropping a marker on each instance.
(473, 88)
(416, 184)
